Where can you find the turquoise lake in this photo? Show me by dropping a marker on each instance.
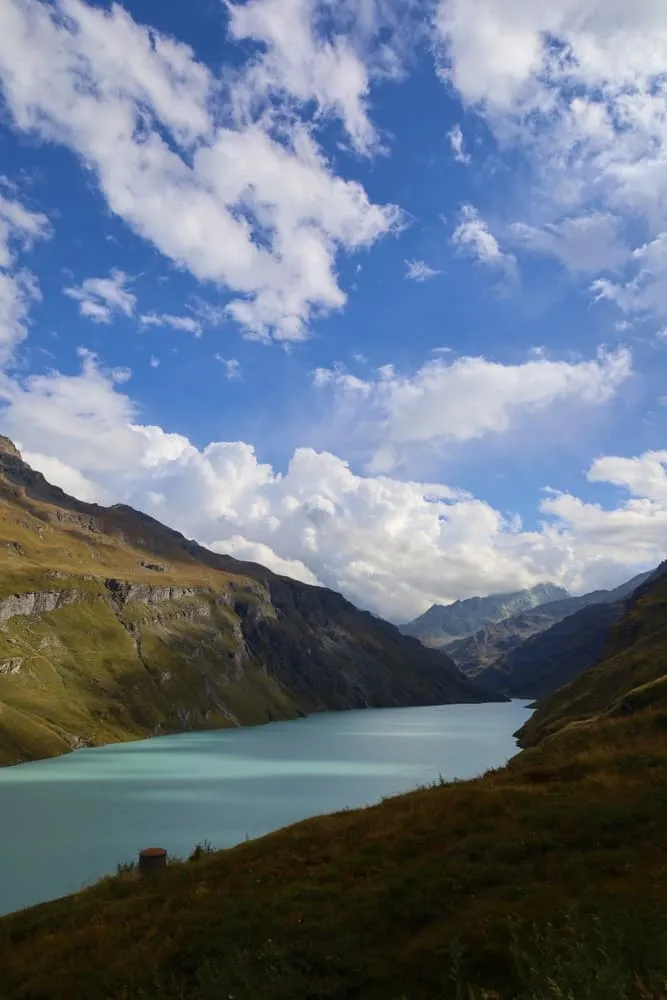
(67, 821)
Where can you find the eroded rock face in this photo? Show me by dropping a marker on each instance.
(123, 593)
(36, 603)
(11, 668)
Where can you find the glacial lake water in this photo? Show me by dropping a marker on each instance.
(67, 821)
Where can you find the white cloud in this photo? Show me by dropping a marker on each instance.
(418, 270)
(646, 292)
(186, 323)
(257, 552)
(579, 88)
(389, 545)
(19, 229)
(154, 361)
(19, 226)
(455, 136)
(454, 401)
(473, 238)
(588, 243)
(296, 60)
(100, 299)
(64, 476)
(232, 367)
(253, 207)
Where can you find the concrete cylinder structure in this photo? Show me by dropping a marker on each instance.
(151, 860)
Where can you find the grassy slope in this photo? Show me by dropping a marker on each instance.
(631, 675)
(80, 672)
(374, 903)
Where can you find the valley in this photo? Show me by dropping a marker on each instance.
(115, 627)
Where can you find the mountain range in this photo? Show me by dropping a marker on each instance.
(113, 626)
(530, 654)
(444, 624)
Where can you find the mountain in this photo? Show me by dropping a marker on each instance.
(544, 878)
(443, 624)
(552, 658)
(630, 676)
(113, 627)
(494, 644)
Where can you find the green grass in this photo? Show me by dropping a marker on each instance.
(630, 676)
(93, 673)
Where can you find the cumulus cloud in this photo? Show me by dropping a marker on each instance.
(393, 546)
(250, 204)
(390, 545)
(100, 299)
(418, 270)
(454, 401)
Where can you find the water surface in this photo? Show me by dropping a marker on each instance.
(65, 822)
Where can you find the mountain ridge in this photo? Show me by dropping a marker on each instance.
(114, 626)
(442, 624)
(492, 652)
(630, 675)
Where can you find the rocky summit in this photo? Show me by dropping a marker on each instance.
(113, 627)
(443, 624)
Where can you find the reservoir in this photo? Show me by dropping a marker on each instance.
(67, 821)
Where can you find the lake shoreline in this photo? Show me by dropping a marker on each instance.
(102, 805)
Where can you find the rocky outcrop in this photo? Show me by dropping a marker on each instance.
(122, 593)
(36, 603)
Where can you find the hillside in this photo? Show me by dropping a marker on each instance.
(493, 645)
(550, 659)
(444, 624)
(630, 676)
(113, 627)
(543, 880)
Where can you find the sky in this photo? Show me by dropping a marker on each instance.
(373, 292)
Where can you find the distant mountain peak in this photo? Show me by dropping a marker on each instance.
(443, 624)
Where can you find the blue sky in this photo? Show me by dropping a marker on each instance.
(372, 292)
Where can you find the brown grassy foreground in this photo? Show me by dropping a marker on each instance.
(442, 893)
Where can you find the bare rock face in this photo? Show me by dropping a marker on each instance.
(36, 603)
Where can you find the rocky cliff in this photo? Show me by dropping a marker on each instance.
(113, 626)
(444, 624)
